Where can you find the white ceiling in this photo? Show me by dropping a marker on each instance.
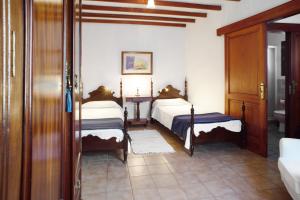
(293, 20)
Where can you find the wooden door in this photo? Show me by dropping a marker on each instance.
(76, 139)
(11, 102)
(293, 89)
(245, 52)
(43, 100)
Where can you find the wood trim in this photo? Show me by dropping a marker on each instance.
(283, 27)
(284, 10)
(140, 17)
(27, 137)
(66, 145)
(169, 4)
(107, 21)
(144, 10)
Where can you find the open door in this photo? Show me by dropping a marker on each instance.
(293, 84)
(245, 52)
(76, 139)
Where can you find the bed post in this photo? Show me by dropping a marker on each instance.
(151, 88)
(125, 140)
(244, 127)
(185, 90)
(121, 88)
(192, 131)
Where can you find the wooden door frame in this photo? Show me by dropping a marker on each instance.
(287, 28)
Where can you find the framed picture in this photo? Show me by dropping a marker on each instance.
(137, 63)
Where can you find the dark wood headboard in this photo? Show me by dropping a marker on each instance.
(102, 93)
(170, 92)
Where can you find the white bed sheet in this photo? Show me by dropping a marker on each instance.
(165, 114)
(103, 113)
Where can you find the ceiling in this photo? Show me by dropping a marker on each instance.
(295, 19)
(172, 13)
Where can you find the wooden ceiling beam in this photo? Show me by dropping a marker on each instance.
(168, 3)
(107, 21)
(143, 10)
(140, 17)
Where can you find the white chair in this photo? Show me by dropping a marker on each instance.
(289, 165)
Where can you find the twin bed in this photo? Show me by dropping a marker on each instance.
(173, 111)
(104, 127)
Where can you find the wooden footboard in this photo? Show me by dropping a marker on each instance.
(92, 143)
(218, 134)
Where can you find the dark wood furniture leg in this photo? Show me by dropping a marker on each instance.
(138, 111)
(125, 140)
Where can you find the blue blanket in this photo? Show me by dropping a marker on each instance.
(181, 123)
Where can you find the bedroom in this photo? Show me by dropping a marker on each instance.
(177, 53)
(158, 99)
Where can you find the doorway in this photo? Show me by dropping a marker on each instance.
(276, 91)
(283, 80)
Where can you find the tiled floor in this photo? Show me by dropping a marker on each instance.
(273, 140)
(215, 172)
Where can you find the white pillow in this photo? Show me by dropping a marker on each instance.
(100, 104)
(170, 102)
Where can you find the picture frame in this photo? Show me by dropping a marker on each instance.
(137, 63)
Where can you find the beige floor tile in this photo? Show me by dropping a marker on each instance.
(152, 160)
(118, 184)
(187, 178)
(138, 171)
(218, 188)
(196, 191)
(142, 182)
(172, 193)
(95, 196)
(146, 194)
(158, 169)
(136, 161)
(164, 180)
(120, 195)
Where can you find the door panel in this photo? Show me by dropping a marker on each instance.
(293, 127)
(245, 53)
(77, 100)
(47, 103)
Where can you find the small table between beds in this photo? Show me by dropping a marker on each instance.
(137, 100)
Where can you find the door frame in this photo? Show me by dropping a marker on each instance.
(287, 28)
(279, 12)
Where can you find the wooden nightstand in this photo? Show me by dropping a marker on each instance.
(137, 100)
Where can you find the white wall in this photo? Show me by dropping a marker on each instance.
(195, 51)
(101, 58)
(274, 40)
(205, 51)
